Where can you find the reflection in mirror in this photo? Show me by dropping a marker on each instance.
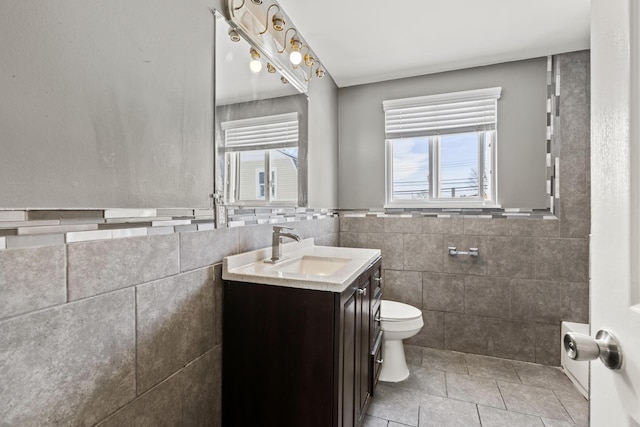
(261, 128)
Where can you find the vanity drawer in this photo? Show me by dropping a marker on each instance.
(376, 323)
(375, 364)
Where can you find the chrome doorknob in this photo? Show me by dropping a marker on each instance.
(581, 347)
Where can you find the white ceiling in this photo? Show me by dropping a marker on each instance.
(362, 42)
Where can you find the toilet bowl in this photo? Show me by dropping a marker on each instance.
(398, 321)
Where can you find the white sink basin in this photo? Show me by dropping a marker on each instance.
(306, 266)
(318, 266)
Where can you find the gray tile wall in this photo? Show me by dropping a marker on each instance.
(531, 273)
(120, 332)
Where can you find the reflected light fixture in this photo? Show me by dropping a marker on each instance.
(284, 80)
(295, 56)
(284, 42)
(233, 35)
(277, 20)
(255, 65)
(320, 72)
(270, 68)
(258, 2)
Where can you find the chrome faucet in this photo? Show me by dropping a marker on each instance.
(276, 242)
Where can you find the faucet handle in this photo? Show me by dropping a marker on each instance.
(277, 228)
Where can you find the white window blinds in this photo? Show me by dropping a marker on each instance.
(265, 132)
(457, 112)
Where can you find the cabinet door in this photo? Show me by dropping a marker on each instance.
(278, 356)
(363, 347)
(349, 362)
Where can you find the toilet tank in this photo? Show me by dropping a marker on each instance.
(578, 372)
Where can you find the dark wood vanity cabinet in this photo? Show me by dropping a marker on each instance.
(300, 357)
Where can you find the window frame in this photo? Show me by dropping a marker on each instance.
(433, 136)
(273, 194)
(289, 139)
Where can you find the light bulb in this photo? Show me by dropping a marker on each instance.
(255, 65)
(295, 57)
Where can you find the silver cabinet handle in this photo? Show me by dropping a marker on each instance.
(377, 279)
(380, 361)
(605, 346)
(362, 291)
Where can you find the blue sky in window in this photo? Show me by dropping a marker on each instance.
(459, 155)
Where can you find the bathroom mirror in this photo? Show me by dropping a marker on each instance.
(260, 129)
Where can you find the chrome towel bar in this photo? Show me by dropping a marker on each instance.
(453, 251)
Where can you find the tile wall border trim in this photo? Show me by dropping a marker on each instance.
(27, 228)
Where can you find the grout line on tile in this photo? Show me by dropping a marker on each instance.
(478, 412)
(135, 338)
(66, 272)
(446, 385)
(563, 407)
(516, 370)
(501, 396)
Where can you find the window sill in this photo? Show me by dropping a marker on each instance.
(443, 205)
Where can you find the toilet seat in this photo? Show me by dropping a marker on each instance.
(399, 317)
(393, 311)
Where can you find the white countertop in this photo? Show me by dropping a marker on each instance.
(250, 266)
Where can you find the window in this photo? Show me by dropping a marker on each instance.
(253, 146)
(441, 149)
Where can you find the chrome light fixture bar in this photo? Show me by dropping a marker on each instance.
(282, 46)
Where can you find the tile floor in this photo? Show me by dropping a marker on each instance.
(448, 388)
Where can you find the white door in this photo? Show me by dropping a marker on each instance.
(615, 207)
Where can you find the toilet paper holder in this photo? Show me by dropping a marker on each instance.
(605, 346)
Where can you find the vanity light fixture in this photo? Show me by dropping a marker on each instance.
(261, 23)
(277, 20)
(309, 60)
(284, 80)
(284, 42)
(320, 72)
(233, 35)
(255, 65)
(295, 56)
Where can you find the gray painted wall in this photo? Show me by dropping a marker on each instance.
(521, 131)
(323, 143)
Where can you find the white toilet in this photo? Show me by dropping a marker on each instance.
(398, 321)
